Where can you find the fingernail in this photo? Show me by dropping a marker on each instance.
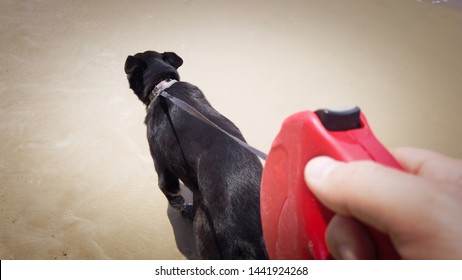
(319, 168)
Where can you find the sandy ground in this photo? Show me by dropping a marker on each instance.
(76, 177)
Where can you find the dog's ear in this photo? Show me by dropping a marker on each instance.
(132, 65)
(134, 68)
(172, 59)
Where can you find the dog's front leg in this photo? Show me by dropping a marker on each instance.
(170, 186)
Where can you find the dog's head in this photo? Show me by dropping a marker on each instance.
(146, 70)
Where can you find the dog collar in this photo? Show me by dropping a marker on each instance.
(158, 89)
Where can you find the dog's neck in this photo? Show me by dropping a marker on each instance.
(158, 89)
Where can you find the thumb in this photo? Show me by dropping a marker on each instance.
(379, 196)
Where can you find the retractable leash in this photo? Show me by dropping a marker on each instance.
(294, 222)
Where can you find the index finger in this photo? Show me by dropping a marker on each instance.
(429, 164)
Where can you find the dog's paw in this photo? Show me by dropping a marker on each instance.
(188, 211)
(177, 202)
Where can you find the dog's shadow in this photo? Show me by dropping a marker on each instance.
(183, 228)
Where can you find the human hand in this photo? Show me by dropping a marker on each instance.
(421, 210)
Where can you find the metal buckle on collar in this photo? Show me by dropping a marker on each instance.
(158, 89)
(165, 84)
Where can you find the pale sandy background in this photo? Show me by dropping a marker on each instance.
(76, 177)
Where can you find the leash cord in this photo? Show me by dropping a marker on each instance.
(189, 109)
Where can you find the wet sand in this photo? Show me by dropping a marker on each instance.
(76, 177)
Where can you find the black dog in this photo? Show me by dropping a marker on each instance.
(223, 176)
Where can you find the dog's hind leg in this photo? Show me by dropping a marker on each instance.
(206, 239)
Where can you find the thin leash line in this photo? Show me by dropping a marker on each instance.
(192, 111)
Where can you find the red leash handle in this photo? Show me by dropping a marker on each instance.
(294, 222)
